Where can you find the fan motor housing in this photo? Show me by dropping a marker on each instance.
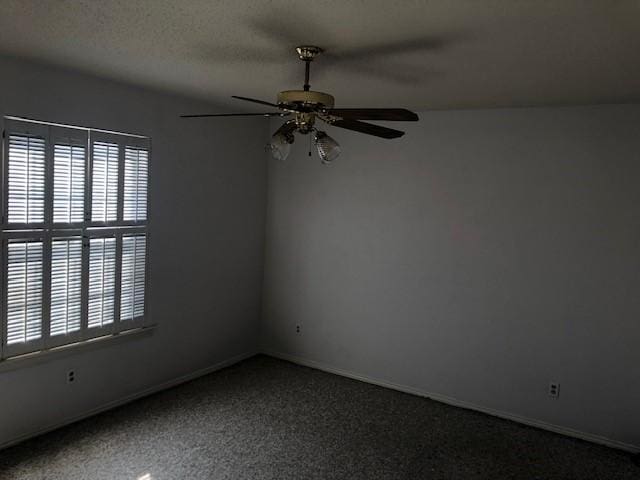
(308, 97)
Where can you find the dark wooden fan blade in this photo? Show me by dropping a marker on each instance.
(261, 102)
(390, 114)
(267, 114)
(368, 128)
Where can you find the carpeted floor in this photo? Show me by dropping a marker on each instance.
(269, 419)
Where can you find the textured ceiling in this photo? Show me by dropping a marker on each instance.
(418, 54)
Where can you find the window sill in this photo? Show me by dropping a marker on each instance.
(44, 356)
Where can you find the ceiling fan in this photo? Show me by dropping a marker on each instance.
(307, 105)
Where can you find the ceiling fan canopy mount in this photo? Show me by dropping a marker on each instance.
(308, 52)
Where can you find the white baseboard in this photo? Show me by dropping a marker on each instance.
(327, 368)
(590, 437)
(130, 398)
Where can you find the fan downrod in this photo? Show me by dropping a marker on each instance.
(305, 103)
(307, 53)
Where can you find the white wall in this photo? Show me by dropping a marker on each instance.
(480, 257)
(207, 192)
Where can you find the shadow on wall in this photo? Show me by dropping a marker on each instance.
(285, 30)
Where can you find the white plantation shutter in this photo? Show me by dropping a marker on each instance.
(74, 235)
(68, 183)
(66, 291)
(133, 277)
(26, 171)
(135, 184)
(24, 291)
(102, 281)
(104, 193)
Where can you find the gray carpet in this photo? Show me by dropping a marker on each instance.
(269, 419)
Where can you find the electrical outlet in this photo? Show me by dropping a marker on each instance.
(297, 328)
(71, 376)
(554, 390)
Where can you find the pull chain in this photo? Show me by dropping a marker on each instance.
(309, 144)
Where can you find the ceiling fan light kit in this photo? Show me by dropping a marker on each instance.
(307, 105)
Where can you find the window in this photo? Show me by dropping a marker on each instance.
(104, 196)
(102, 281)
(26, 179)
(74, 235)
(24, 291)
(68, 183)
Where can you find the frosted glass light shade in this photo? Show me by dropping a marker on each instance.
(279, 147)
(328, 148)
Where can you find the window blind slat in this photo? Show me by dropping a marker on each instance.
(102, 281)
(68, 183)
(24, 291)
(104, 193)
(136, 164)
(132, 277)
(26, 170)
(66, 274)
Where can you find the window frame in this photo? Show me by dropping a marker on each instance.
(57, 134)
